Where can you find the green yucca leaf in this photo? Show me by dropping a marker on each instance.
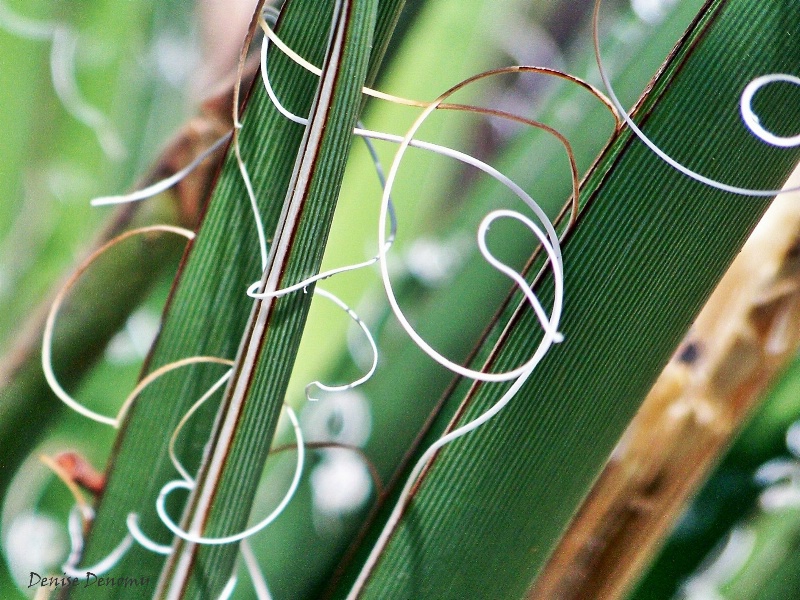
(649, 247)
(208, 311)
(248, 413)
(401, 404)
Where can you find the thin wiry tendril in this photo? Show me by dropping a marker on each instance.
(465, 158)
(552, 245)
(254, 290)
(250, 531)
(47, 338)
(164, 184)
(368, 375)
(145, 542)
(237, 150)
(135, 533)
(227, 591)
(70, 567)
(254, 569)
(174, 437)
(748, 117)
(752, 121)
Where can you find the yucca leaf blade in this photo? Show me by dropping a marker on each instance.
(649, 247)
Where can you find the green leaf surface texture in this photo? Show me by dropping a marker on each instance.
(649, 247)
(313, 193)
(208, 309)
(401, 404)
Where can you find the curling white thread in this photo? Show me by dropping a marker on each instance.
(64, 48)
(47, 338)
(138, 535)
(251, 195)
(164, 184)
(253, 568)
(550, 337)
(151, 377)
(174, 437)
(368, 375)
(549, 325)
(254, 290)
(237, 150)
(250, 531)
(135, 533)
(227, 591)
(749, 120)
(553, 246)
(133, 519)
(550, 243)
(551, 334)
(753, 122)
(70, 567)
